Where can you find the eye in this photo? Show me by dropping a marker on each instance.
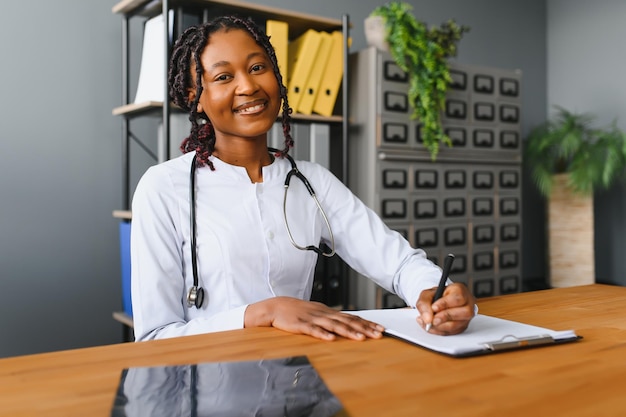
(223, 77)
(258, 67)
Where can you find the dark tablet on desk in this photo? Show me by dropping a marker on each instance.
(275, 387)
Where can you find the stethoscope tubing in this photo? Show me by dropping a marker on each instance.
(196, 293)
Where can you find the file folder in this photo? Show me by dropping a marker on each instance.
(320, 144)
(328, 89)
(278, 32)
(150, 86)
(125, 264)
(484, 335)
(302, 52)
(316, 73)
(276, 137)
(301, 134)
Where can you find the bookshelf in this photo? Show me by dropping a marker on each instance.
(134, 12)
(139, 10)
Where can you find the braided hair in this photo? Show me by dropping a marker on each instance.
(189, 47)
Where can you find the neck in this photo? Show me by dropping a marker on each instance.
(253, 157)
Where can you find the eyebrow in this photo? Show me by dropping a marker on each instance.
(225, 63)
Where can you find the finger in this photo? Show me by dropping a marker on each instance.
(455, 295)
(319, 332)
(348, 326)
(453, 315)
(345, 323)
(424, 306)
(368, 328)
(450, 327)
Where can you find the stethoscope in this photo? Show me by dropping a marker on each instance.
(196, 293)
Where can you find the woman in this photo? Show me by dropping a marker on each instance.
(225, 74)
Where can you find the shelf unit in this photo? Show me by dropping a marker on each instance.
(298, 24)
(141, 10)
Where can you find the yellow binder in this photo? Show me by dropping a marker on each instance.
(302, 52)
(315, 76)
(278, 32)
(328, 89)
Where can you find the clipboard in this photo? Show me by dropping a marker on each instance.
(484, 335)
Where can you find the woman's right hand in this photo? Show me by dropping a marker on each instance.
(308, 317)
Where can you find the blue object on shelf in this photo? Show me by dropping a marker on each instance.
(125, 263)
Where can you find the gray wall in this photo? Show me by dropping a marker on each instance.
(586, 65)
(60, 151)
(60, 175)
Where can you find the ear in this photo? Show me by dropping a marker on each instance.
(191, 96)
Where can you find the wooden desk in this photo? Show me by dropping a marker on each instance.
(377, 377)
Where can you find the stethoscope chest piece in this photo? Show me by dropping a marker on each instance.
(195, 297)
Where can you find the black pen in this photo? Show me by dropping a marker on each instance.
(447, 264)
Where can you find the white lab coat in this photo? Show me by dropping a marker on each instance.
(244, 252)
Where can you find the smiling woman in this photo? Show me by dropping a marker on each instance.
(236, 75)
(239, 82)
(219, 217)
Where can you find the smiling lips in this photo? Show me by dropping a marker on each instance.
(250, 108)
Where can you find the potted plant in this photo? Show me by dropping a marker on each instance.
(568, 159)
(422, 53)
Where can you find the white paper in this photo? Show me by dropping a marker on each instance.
(481, 331)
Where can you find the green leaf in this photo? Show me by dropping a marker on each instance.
(422, 53)
(568, 143)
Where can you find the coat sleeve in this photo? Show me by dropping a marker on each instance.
(370, 247)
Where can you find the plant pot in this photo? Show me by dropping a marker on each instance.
(376, 33)
(570, 236)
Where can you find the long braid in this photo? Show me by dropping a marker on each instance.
(186, 55)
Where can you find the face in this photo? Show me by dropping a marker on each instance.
(240, 92)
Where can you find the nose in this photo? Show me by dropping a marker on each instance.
(247, 85)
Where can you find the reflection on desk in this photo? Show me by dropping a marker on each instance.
(272, 388)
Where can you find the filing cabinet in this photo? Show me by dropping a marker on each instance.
(468, 201)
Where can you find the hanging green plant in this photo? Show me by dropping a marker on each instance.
(422, 53)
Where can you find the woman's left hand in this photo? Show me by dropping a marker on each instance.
(450, 314)
(311, 318)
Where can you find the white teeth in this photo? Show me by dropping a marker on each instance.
(251, 109)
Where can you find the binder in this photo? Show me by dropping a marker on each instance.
(180, 126)
(151, 86)
(328, 89)
(278, 31)
(320, 144)
(484, 335)
(301, 134)
(302, 52)
(127, 304)
(276, 137)
(316, 73)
